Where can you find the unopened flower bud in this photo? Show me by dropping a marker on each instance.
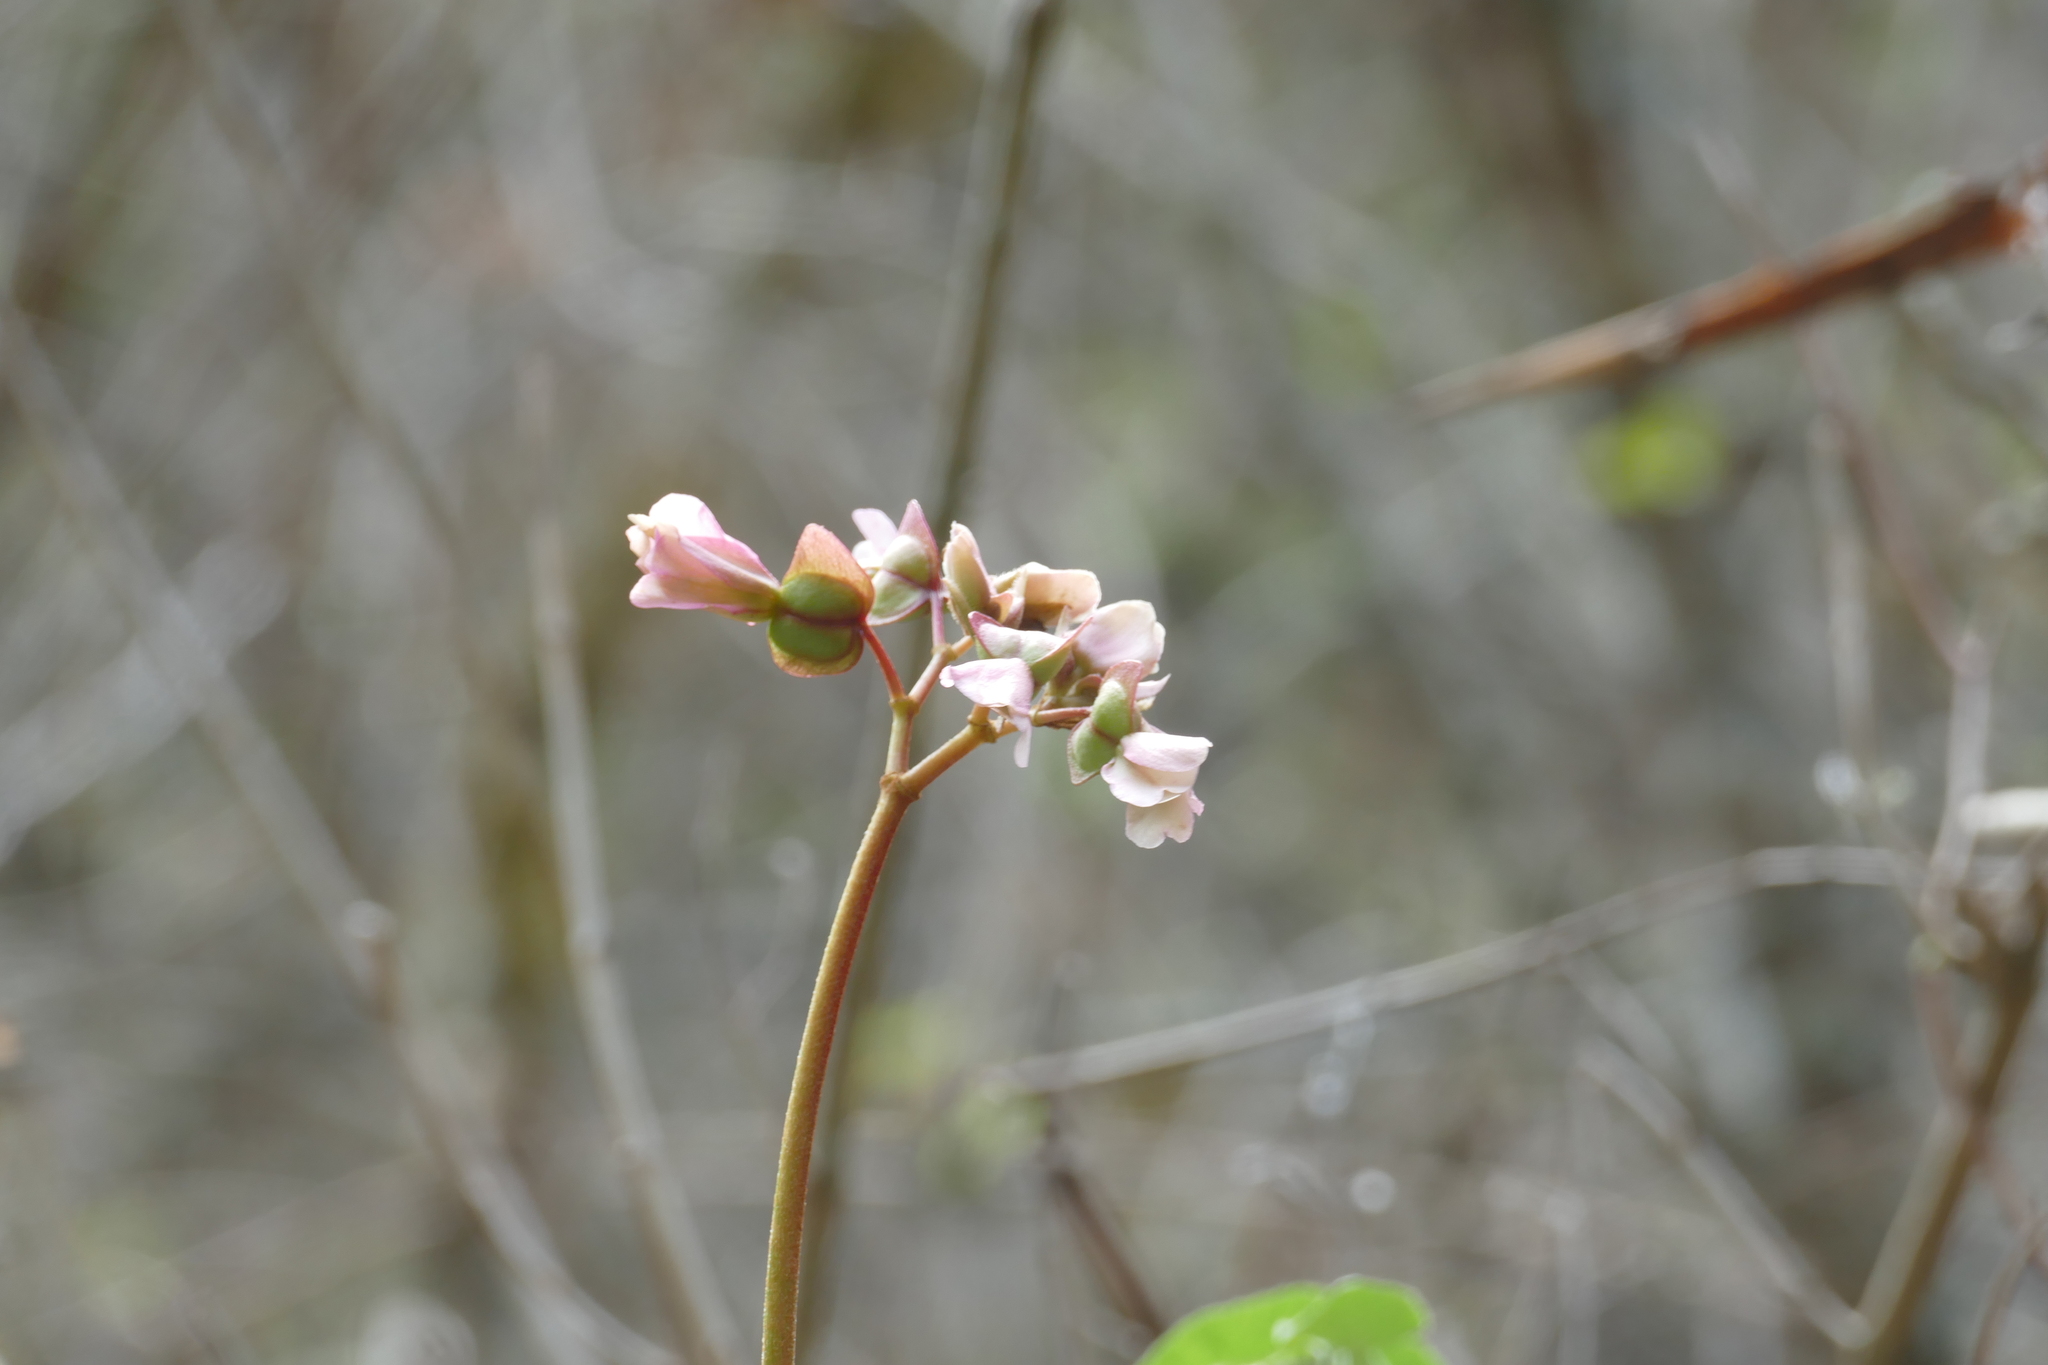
(967, 584)
(688, 563)
(824, 599)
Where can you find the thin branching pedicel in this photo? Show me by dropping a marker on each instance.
(1046, 653)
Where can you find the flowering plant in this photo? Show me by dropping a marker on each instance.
(1037, 649)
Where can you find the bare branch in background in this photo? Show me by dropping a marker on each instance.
(1102, 1242)
(280, 191)
(356, 928)
(1942, 330)
(1002, 153)
(1845, 576)
(1470, 970)
(1898, 538)
(1969, 739)
(1962, 1126)
(1998, 1302)
(1790, 1270)
(1976, 220)
(680, 1262)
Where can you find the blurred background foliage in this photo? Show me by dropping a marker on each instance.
(581, 253)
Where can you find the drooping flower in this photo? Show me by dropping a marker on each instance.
(903, 558)
(821, 608)
(689, 563)
(1150, 771)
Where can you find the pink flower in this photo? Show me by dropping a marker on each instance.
(688, 562)
(1150, 771)
(1153, 774)
(904, 559)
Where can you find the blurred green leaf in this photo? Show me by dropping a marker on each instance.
(902, 1049)
(1351, 1322)
(986, 1132)
(1337, 350)
(1664, 456)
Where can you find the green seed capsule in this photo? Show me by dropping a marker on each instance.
(807, 649)
(822, 598)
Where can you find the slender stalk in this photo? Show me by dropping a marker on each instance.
(807, 1090)
(894, 679)
(684, 1277)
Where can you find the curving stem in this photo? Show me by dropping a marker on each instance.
(800, 1127)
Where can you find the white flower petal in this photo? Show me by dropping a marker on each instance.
(1122, 632)
(1005, 643)
(1004, 683)
(1157, 749)
(1024, 729)
(686, 515)
(1149, 826)
(1136, 786)
(874, 524)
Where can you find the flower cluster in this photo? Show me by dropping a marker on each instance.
(1047, 652)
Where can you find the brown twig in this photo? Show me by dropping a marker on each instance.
(1787, 1266)
(1444, 977)
(1095, 1228)
(355, 927)
(1898, 539)
(684, 1276)
(1975, 219)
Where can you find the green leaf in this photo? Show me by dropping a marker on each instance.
(1237, 1332)
(1354, 1321)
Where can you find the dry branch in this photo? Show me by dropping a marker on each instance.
(356, 928)
(1789, 1267)
(1976, 219)
(1474, 968)
(680, 1261)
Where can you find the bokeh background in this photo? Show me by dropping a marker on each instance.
(1461, 678)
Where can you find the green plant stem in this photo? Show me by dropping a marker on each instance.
(800, 1127)
(1911, 1252)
